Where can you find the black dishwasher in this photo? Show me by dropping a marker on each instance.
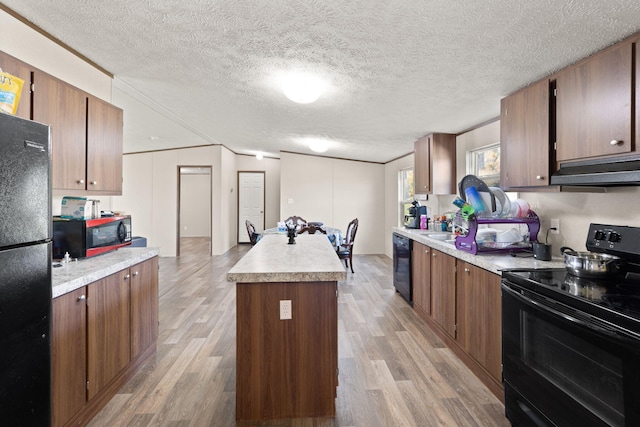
(402, 266)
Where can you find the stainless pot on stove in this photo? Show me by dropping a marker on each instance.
(590, 264)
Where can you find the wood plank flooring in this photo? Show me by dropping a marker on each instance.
(393, 370)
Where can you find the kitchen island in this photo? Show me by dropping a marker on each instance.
(287, 328)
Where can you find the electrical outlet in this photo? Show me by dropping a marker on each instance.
(285, 309)
(554, 223)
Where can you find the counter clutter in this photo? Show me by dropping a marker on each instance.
(75, 274)
(492, 262)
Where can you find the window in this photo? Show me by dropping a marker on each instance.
(405, 193)
(484, 163)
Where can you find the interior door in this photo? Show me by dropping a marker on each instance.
(250, 203)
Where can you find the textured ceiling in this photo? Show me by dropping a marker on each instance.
(197, 72)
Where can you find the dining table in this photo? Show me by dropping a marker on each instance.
(333, 234)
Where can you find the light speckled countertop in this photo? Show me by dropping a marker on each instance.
(311, 259)
(75, 274)
(494, 262)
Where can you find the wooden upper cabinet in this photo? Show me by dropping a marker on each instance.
(104, 147)
(64, 108)
(21, 70)
(421, 276)
(443, 290)
(435, 164)
(422, 166)
(524, 137)
(593, 106)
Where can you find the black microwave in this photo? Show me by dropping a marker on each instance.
(83, 238)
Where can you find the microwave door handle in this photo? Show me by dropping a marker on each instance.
(616, 334)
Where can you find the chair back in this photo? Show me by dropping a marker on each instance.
(350, 235)
(251, 231)
(311, 229)
(296, 220)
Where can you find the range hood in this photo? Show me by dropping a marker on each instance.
(616, 171)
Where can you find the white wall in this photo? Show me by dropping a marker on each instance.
(22, 42)
(150, 195)
(335, 191)
(195, 205)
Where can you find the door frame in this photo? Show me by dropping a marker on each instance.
(241, 228)
(179, 167)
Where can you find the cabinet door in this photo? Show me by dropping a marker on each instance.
(69, 357)
(64, 108)
(21, 70)
(108, 330)
(421, 266)
(593, 106)
(443, 290)
(104, 147)
(442, 153)
(421, 165)
(144, 306)
(479, 315)
(524, 137)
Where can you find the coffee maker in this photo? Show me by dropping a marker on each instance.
(415, 211)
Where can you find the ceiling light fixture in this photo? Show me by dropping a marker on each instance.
(303, 88)
(259, 156)
(318, 145)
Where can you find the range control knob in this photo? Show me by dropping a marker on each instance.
(614, 237)
(599, 235)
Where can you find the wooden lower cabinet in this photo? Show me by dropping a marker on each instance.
(479, 316)
(108, 330)
(421, 277)
(101, 334)
(443, 291)
(465, 310)
(69, 355)
(144, 306)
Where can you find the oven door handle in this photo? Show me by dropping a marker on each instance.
(615, 333)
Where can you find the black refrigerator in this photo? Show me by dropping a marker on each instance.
(25, 272)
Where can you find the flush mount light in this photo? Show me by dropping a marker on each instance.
(318, 145)
(303, 88)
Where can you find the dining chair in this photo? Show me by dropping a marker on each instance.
(296, 220)
(345, 250)
(251, 231)
(311, 229)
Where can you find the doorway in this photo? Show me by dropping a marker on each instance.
(194, 210)
(251, 193)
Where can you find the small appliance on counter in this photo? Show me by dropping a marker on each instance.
(412, 220)
(82, 238)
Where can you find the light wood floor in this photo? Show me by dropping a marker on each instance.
(393, 370)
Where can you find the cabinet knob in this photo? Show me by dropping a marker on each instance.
(126, 277)
(80, 181)
(135, 273)
(615, 142)
(466, 270)
(433, 255)
(539, 177)
(82, 298)
(94, 182)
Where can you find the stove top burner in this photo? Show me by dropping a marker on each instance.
(618, 293)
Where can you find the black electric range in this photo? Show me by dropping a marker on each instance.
(571, 344)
